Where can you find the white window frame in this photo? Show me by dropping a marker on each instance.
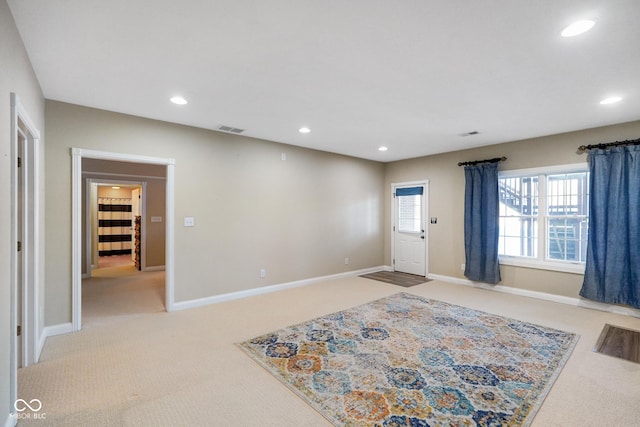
(540, 262)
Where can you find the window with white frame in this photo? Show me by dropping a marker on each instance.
(544, 217)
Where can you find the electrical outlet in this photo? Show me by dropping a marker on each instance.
(346, 261)
(263, 273)
(462, 267)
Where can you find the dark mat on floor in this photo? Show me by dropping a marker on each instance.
(397, 278)
(619, 342)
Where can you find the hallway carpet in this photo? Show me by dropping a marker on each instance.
(114, 261)
(119, 293)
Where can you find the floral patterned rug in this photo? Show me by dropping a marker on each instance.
(410, 361)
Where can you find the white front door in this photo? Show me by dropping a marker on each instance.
(409, 229)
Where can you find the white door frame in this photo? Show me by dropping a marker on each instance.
(90, 243)
(77, 155)
(21, 124)
(425, 211)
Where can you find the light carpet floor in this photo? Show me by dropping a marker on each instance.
(183, 369)
(120, 293)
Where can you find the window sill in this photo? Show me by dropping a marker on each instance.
(575, 268)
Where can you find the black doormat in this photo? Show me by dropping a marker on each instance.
(619, 342)
(397, 278)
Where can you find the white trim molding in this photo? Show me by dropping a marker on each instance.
(183, 305)
(577, 302)
(76, 241)
(25, 227)
(53, 330)
(120, 157)
(11, 420)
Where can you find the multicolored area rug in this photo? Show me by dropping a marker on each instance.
(410, 361)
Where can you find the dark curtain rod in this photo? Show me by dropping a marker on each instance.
(584, 148)
(476, 162)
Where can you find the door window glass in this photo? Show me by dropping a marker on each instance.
(409, 209)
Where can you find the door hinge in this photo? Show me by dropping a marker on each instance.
(394, 228)
(19, 162)
(19, 330)
(394, 261)
(19, 246)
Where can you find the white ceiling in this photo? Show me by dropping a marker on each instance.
(412, 75)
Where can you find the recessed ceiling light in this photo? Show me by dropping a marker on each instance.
(304, 130)
(178, 100)
(577, 28)
(611, 100)
(383, 148)
(115, 187)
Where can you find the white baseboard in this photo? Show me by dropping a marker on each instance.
(62, 328)
(578, 302)
(50, 331)
(11, 420)
(154, 268)
(41, 340)
(182, 305)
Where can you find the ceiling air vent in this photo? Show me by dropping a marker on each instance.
(230, 129)
(474, 132)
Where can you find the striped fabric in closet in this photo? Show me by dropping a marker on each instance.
(114, 226)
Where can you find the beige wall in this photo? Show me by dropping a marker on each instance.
(446, 199)
(298, 218)
(16, 75)
(117, 193)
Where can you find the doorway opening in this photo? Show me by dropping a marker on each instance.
(410, 235)
(90, 166)
(114, 229)
(116, 285)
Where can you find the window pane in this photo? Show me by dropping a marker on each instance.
(567, 216)
(518, 208)
(568, 194)
(567, 239)
(409, 213)
(518, 196)
(518, 237)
